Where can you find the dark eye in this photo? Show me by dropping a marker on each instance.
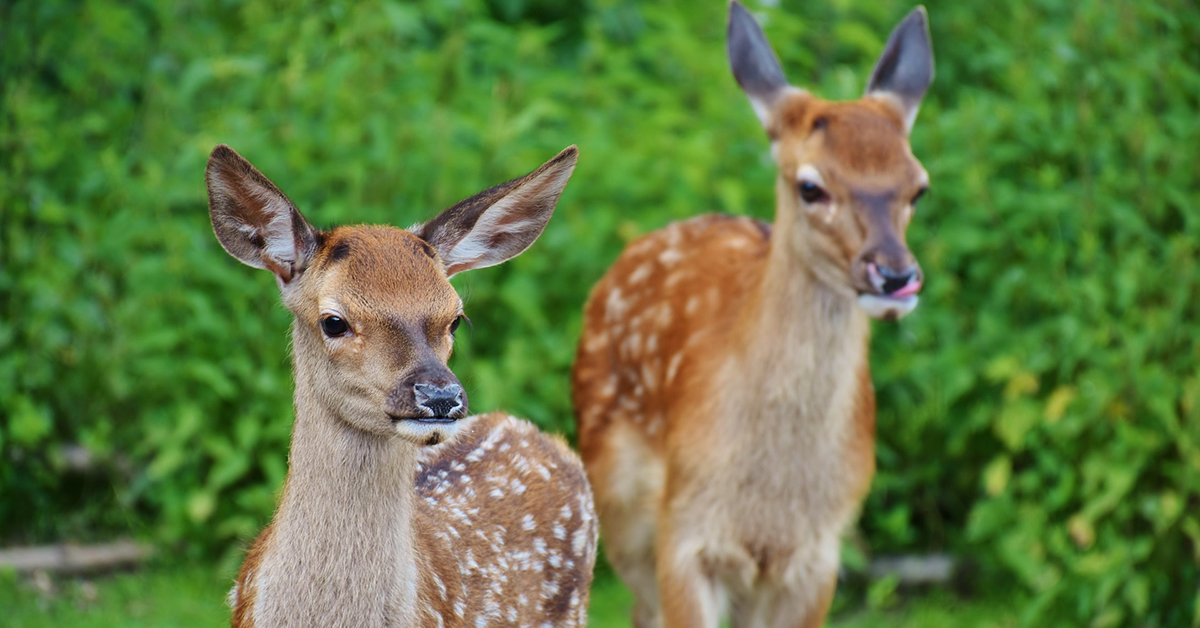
(921, 192)
(454, 325)
(334, 326)
(811, 192)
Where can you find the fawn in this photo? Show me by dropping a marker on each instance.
(398, 510)
(723, 396)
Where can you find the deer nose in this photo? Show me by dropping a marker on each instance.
(440, 401)
(896, 283)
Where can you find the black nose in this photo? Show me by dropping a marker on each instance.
(894, 280)
(440, 401)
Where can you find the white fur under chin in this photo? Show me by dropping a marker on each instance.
(887, 308)
(428, 433)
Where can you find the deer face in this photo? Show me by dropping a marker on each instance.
(846, 167)
(375, 313)
(379, 315)
(848, 171)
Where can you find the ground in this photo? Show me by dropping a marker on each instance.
(194, 595)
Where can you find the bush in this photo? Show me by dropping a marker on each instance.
(1038, 414)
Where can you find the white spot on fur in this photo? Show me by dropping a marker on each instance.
(610, 386)
(596, 342)
(649, 376)
(579, 541)
(673, 366)
(615, 306)
(665, 315)
(713, 295)
(632, 345)
(441, 586)
(640, 274)
(674, 233)
(678, 276)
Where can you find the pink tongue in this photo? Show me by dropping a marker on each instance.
(912, 288)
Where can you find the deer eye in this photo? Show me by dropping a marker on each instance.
(456, 322)
(916, 197)
(334, 326)
(811, 192)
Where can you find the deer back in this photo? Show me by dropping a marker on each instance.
(506, 524)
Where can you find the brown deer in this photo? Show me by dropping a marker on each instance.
(398, 510)
(724, 401)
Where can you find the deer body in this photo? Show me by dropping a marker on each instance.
(446, 552)
(398, 509)
(722, 388)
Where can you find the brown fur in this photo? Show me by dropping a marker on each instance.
(722, 389)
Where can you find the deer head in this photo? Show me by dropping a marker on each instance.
(375, 313)
(848, 181)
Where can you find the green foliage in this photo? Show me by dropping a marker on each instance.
(1038, 414)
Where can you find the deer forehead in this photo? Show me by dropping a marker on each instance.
(384, 272)
(858, 144)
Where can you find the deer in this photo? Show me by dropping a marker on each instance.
(722, 391)
(398, 508)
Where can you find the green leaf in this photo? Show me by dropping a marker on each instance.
(30, 422)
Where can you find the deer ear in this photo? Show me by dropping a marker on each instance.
(499, 223)
(754, 63)
(254, 221)
(905, 69)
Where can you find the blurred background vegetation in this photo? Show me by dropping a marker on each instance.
(1039, 415)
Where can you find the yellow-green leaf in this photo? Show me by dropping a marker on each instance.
(996, 475)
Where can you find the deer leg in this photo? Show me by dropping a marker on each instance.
(802, 609)
(690, 598)
(746, 612)
(636, 570)
(646, 613)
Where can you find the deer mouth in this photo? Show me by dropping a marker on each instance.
(894, 294)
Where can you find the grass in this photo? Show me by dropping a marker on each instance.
(154, 598)
(193, 595)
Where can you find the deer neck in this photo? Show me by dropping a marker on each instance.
(346, 510)
(802, 336)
